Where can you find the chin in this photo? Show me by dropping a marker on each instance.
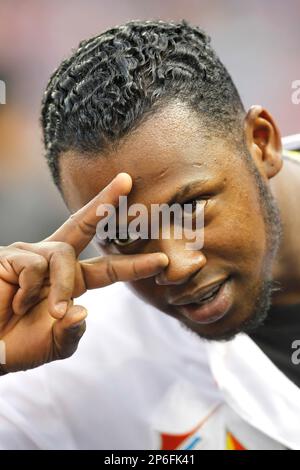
(226, 316)
(227, 328)
(245, 314)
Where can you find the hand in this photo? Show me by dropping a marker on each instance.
(38, 321)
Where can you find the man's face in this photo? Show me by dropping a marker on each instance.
(172, 156)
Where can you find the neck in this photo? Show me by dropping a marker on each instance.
(285, 187)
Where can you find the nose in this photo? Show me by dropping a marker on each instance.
(182, 265)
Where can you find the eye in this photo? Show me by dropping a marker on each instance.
(125, 240)
(191, 205)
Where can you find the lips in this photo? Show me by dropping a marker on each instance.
(198, 296)
(208, 306)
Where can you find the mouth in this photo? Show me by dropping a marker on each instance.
(210, 306)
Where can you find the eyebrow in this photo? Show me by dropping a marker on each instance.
(185, 190)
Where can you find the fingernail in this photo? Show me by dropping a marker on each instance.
(61, 308)
(122, 175)
(164, 260)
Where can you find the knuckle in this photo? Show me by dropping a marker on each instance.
(39, 264)
(7, 251)
(135, 270)
(82, 225)
(63, 248)
(111, 272)
(4, 253)
(19, 245)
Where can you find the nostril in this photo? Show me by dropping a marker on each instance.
(180, 270)
(162, 280)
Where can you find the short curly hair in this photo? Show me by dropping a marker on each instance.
(113, 81)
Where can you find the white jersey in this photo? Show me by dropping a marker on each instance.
(139, 380)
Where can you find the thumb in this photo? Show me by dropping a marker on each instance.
(68, 331)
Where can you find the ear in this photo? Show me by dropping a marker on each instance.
(263, 140)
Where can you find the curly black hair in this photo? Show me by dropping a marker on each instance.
(115, 80)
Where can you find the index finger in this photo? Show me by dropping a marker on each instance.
(81, 226)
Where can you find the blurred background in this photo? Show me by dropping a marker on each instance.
(259, 42)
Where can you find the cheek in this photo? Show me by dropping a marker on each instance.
(238, 234)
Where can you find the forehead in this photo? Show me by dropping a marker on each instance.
(168, 149)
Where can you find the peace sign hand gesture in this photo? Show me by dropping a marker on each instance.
(38, 321)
